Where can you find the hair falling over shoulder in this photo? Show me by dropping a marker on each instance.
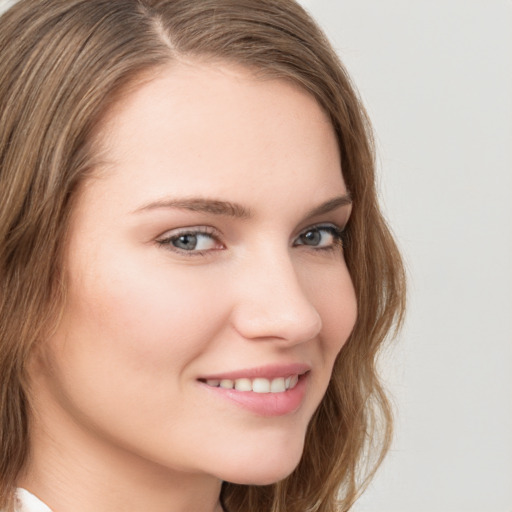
(63, 64)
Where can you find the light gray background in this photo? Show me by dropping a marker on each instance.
(436, 76)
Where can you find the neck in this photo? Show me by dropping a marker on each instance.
(76, 471)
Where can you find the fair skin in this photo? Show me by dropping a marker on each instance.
(129, 412)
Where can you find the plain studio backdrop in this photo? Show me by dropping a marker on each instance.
(436, 77)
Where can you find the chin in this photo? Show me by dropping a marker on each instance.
(268, 467)
(262, 477)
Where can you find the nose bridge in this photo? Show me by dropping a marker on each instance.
(271, 302)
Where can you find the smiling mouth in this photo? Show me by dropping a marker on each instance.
(257, 385)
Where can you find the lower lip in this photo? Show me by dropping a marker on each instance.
(266, 404)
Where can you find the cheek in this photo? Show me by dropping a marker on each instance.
(127, 343)
(151, 314)
(336, 303)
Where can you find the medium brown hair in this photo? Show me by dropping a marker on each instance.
(63, 65)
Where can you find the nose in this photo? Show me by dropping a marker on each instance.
(271, 303)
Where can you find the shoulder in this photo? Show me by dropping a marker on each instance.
(27, 502)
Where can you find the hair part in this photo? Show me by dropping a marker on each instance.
(64, 65)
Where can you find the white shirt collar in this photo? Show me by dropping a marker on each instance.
(27, 502)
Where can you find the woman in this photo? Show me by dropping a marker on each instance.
(196, 277)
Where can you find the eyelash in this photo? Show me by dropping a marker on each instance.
(338, 234)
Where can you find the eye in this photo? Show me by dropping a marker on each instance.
(191, 241)
(321, 237)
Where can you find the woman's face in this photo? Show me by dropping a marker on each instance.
(208, 294)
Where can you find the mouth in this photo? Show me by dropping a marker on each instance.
(256, 385)
(265, 391)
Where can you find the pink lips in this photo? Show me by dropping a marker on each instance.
(266, 372)
(263, 404)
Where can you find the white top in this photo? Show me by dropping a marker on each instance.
(27, 502)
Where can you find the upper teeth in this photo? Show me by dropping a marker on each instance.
(258, 385)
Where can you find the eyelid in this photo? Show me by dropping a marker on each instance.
(170, 233)
(323, 225)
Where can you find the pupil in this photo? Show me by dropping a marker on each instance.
(312, 237)
(186, 242)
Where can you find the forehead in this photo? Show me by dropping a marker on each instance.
(212, 125)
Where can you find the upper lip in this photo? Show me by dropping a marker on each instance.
(272, 371)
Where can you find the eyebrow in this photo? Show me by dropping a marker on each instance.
(230, 209)
(200, 204)
(330, 205)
